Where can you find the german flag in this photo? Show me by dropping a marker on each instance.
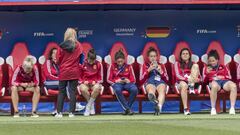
(157, 32)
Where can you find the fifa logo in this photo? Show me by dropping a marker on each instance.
(206, 31)
(201, 31)
(38, 34)
(42, 34)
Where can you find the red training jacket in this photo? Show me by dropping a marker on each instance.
(92, 72)
(144, 74)
(113, 73)
(180, 73)
(238, 73)
(222, 70)
(69, 63)
(50, 71)
(19, 76)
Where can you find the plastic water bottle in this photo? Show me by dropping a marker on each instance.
(24, 111)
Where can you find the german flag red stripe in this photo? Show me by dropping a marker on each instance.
(157, 32)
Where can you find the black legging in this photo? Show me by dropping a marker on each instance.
(72, 87)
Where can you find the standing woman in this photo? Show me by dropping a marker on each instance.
(51, 72)
(156, 77)
(69, 71)
(187, 76)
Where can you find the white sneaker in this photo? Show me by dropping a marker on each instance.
(191, 91)
(92, 110)
(87, 110)
(232, 111)
(71, 115)
(187, 113)
(54, 113)
(79, 107)
(16, 115)
(34, 115)
(213, 111)
(58, 115)
(160, 108)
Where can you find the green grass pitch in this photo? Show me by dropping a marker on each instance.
(140, 124)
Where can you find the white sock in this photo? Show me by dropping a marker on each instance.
(91, 101)
(160, 106)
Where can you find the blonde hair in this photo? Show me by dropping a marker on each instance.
(70, 34)
(28, 62)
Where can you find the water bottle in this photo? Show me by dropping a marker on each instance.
(24, 111)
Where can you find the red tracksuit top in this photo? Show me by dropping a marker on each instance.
(69, 63)
(144, 74)
(51, 70)
(114, 73)
(238, 73)
(180, 73)
(19, 76)
(221, 70)
(92, 72)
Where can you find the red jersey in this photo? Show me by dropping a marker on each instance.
(91, 72)
(220, 70)
(51, 70)
(238, 73)
(114, 73)
(144, 74)
(20, 76)
(69, 63)
(182, 74)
